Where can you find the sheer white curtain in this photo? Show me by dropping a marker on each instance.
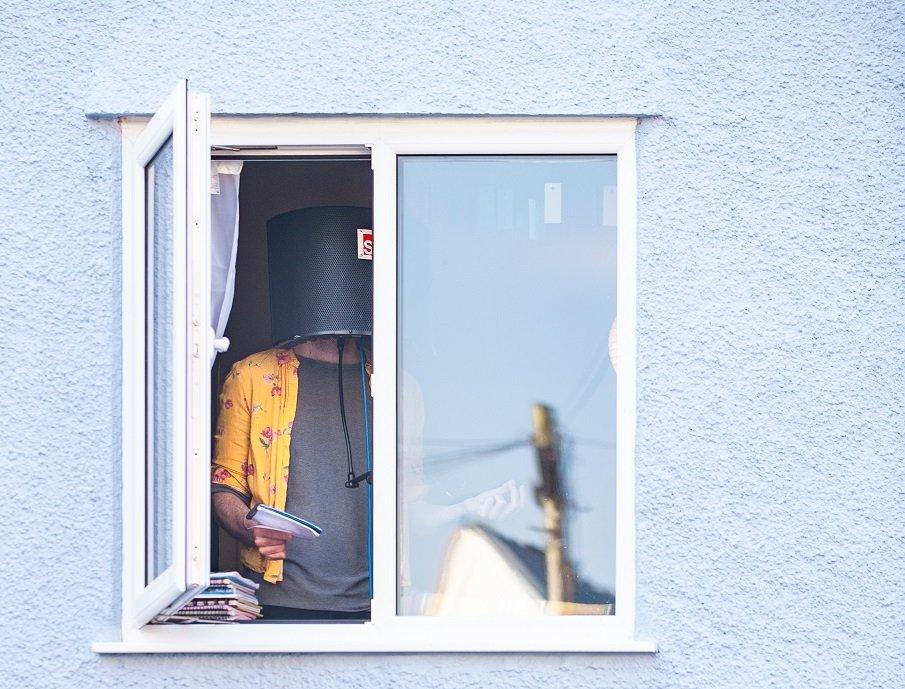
(224, 240)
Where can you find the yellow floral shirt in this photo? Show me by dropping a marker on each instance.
(251, 449)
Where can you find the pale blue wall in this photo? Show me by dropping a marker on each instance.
(771, 209)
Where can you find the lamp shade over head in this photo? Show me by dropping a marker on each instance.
(318, 284)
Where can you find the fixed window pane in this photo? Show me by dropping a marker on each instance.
(160, 383)
(507, 388)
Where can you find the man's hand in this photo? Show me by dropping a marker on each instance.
(230, 510)
(270, 543)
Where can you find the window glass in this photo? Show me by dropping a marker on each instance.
(160, 384)
(507, 391)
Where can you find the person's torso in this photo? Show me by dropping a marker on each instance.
(330, 572)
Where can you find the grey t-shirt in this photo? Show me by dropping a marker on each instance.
(330, 572)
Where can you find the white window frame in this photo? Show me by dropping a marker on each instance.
(185, 117)
(387, 138)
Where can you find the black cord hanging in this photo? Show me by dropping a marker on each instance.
(350, 478)
(362, 368)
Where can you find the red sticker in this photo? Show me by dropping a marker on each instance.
(366, 244)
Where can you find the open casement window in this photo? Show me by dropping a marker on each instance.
(504, 377)
(166, 349)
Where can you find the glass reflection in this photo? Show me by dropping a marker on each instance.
(159, 329)
(507, 406)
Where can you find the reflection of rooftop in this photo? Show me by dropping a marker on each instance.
(484, 573)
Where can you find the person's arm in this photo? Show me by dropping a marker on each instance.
(231, 440)
(228, 474)
(230, 511)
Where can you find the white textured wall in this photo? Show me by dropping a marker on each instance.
(771, 209)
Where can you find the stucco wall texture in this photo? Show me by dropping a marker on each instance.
(770, 241)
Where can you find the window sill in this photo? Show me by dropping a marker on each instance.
(367, 638)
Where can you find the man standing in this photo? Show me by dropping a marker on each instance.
(280, 442)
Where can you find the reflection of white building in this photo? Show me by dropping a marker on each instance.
(483, 574)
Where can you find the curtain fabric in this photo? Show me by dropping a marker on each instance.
(224, 241)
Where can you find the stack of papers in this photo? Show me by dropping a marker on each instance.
(278, 520)
(229, 598)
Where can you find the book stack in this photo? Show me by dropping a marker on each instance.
(229, 598)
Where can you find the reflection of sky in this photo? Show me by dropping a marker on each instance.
(499, 310)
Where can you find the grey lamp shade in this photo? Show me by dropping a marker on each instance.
(318, 285)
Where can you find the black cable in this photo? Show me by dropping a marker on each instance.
(362, 368)
(350, 479)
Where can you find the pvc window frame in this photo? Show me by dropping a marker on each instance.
(183, 118)
(386, 138)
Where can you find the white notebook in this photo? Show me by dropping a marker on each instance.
(272, 518)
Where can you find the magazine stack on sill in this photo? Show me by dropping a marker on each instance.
(229, 598)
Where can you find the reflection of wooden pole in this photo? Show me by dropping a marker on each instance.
(549, 496)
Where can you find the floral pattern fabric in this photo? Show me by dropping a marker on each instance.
(254, 427)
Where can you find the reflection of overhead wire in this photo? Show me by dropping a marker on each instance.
(458, 442)
(590, 388)
(475, 453)
(602, 350)
(593, 442)
(467, 453)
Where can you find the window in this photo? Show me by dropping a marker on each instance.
(507, 289)
(504, 256)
